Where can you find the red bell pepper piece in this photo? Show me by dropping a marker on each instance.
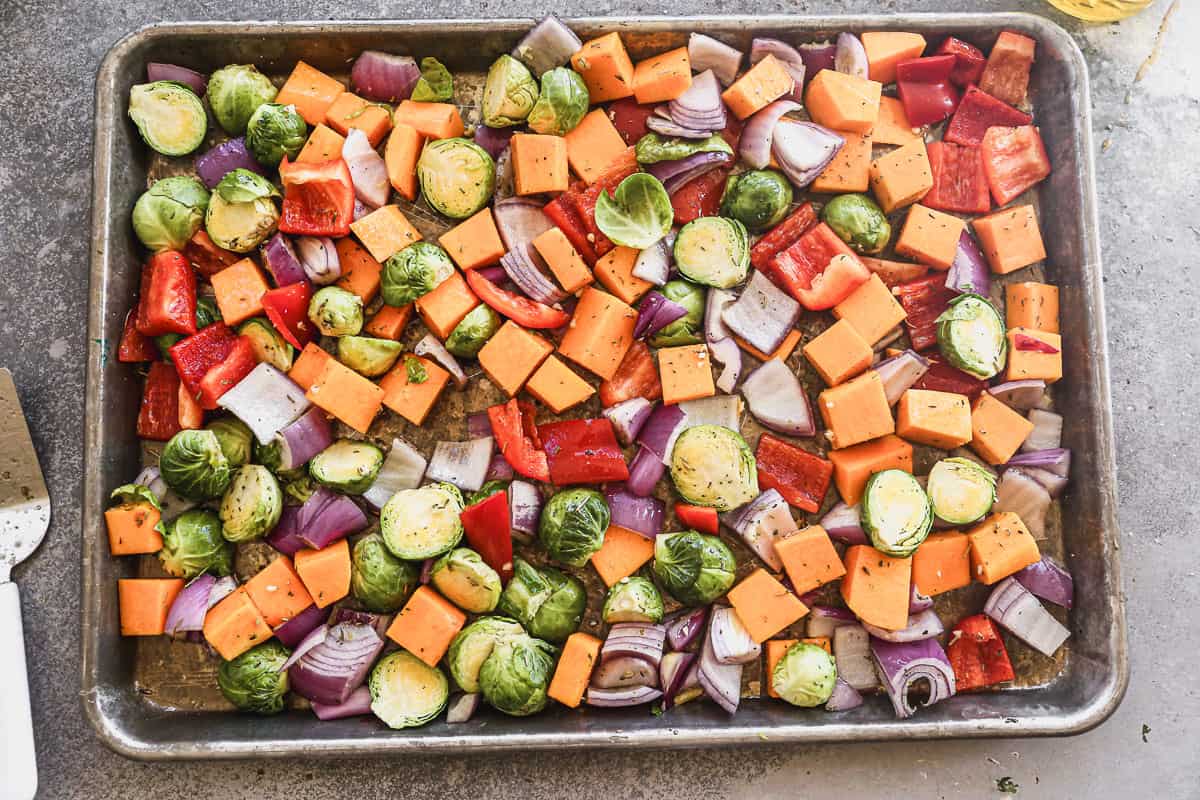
(1006, 74)
(700, 197)
(819, 270)
(287, 308)
(1025, 342)
(700, 518)
(529, 423)
(318, 198)
(945, 377)
(158, 417)
(732, 133)
(167, 303)
(1014, 160)
(968, 61)
(801, 477)
(636, 376)
(977, 112)
(135, 347)
(562, 213)
(959, 182)
(629, 118)
(521, 310)
(206, 257)
(925, 89)
(488, 527)
(197, 354)
(923, 301)
(223, 376)
(782, 236)
(583, 451)
(519, 449)
(977, 654)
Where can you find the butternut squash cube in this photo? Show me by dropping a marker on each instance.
(843, 102)
(996, 430)
(685, 373)
(838, 353)
(937, 419)
(871, 310)
(512, 355)
(930, 237)
(1025, 362)
(539, 163)
(856, 411)
(901, 177)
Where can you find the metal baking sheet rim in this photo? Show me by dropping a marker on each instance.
(97, 702)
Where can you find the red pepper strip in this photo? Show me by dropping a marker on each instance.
(944, 377)
(521, 310)
(287, 308)
(135, 347)
(488, 527)
(969, 61)
(528, 422)
(168, 300)
(923, 301)
(798, 475)
(1014, 159)
(782, 236)
(517, 448)
(206, 257)
(700, 197)
(959, 182)
(979, 111)
(636, 376)
(925, 89)
(700, 518)
(318, 198)
(733, 132)
(563, 214)
(158, 418)
(222, 377)
(197, 354)
(811, 271)
(583, 451)
(1023, 341)
(629, 118)
(977, 654)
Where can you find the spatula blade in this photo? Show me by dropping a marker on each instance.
(24, 501)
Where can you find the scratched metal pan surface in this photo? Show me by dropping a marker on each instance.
(156, 700)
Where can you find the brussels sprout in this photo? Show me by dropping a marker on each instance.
(548, 603)
(169, 116)
(572, 525)
(405, 691)
(347, 465)
(759, 198)
(256, 680)
(633, 599)
(194, 466)
(960, 490)
(275, 131)
(508, 94)
(422, 523)
(206, 314)
(562, 104)
(298, 487)
(269, 345)
(167, 214)
(712, 465)
(896, 512)
(436, 84)
(368, 356)
(805, 675)
(858, 222)
(414, 272)
(241, 211)
(687, 329)
(516, 674)
(457, 176)
(638, 214)
(252, 505)
(192, 545)
(236, 439)
(133, 494)
(235, 93)
(713, 251)
(972, 336)
(487, 490)
(653, 147)
(466, 580)
(696, 569)
(470, 335)
(336, 311)
(379, 581)
(473, 644)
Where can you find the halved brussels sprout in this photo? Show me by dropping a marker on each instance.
(368, 356)
(473, 644)
(457, 176)
(192, 545)
(236, 439)
(406, 692)
(336, 311)
(687, 329)
(508, 94)
(436, 84)
(712, 465)
(547, 602)
(654, 147)
(972, 336)
(633, 599)
(466, 580)
(960, 490)
(256, 680)
(252, 505)
(422, 523)
(275, 131)
(235, 92)
(470, 335)
(516, 674)
(347, 465)
(167, 214)
(805, 675)
(896, 512)
(414, 272)
(241, 211)
(859, 222)
(194, 466)
(379, 581)
(562, 104)
(269, 345)
(169, 116)
(638, 214)
(758, 198)
(572, 525)
(713, 251)
(696, 569)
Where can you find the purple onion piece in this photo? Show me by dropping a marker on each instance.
(791, 58)
(645, 471)
(804, 149)
(156, 71)
(229, 155)
(384, 77)
(1049, 581)
(969, 272)
(301, 440)
(356, 705)
(637, 513)
(294, 631)
(754, 146)
(280, 259)
(493, 140)
(707, 53)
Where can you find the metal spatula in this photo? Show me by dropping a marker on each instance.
(24, 518)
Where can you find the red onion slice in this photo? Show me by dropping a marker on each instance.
(918, 602)
(634, 512)
(156, 71)
(922, 625)
(311, 639)
(731, 642)
(519, 221)
(280, 259)
(791, 58)
(624, 672)
(462, 708)
(804, 149)
(700, 105)
(685, 627)
(357, 704)
(621, 698)
(329, 672)
(843, 523)
(645, 471)
(1049, 581)
(494, 140)
(721, 682)
(674, 174)
(384, 77)
(301, 440)
(320, 260)
(224, 158)
(905, 664)
(548, 44)
(655, 313)
(638, 639)
(823, 621)
(326, 517)
(817, 57)
(285, 536)
(669, 127)
(431, 347)
(294, 631)
(654, 263)
(266, 400)
(763, 315)
(778, 401)
(844, 697)
(754, 146)
(403, 468)
(849, 56)
(1021, 494)
(852, 652)
(660, 429)
(525, 507)
(368, 172)
(969, 272)
(1046, 433)
(499, 469)
(1019, 395)
(1017, 610)
(463, 464)
(674, 674)
(706, 53)
(427, 571)
(628, 417)
(519, 265)
(190, 605)
(1057, 461)
(899, 373)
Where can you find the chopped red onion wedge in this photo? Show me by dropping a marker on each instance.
(1049, 581)
(156, 71)
(368, 172)
(760, 523)
(700, 105)
(621, 698)
(852, 652)
(403, 468)
(320, 259)
(1020, 395)
(685, 627)
(850, 56)
(844, 697)
(464, 464)
(824, 620)
(721, 682)
(778, 401)
(899, 373)
(462, 708)
(300, 440)
(804, 149)
(430, 347)
(922, 625)
(654, 263)
(266, 400)
(731, 642)
(628, 417)
(676, 675)
(625, 671)
(634, 512)
(706, 53)
(356, 705)
(280, 259)
(1017, 610)
(525, 508)
(338, 665)
(384, 77)
(190, 605)
(763, 315)
(548, 44)
(904, 664)
(1021, 494)
(1046, 433)
(792, 59)
(295, 630)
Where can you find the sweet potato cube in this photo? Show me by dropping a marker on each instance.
(234, 625)
(876, 586)
(556, 385)
(763, 83)
(686, 373)
(942, 563)
(361, 274)
(426, 625)
(850, 169)
(239, 289)
(662, 77)
(1031, 305)
(389, 322)
(843, 102)
(431, 120)
(856, 411)
(593, 144)
(325, 572)
(349, 111)
(574, 669)
(937, 419)
(345, 394)
(901, 177)
(385, 232)
(605, 67)
(892, 126)
(1024, 362)
(614, 270)
(809, 558)
(886, 49)
(1010, 238)
(413, 400)
(539, 163)
(1000, 546)
(512, 355)
(309, 365)
(474, 242)
(400, 156)
(312, 92)
(764, 605)
(853, 466)
(838, 353)
(622, 554)
(278, 592)
(565, 262)
(442, 309)
(144, 603)
(600, 332)
(131, 529)
(324, 144)
(871, 310)
(996, 430)
(930, 237)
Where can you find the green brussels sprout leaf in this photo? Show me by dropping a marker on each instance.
(436, 84)
(638, 214)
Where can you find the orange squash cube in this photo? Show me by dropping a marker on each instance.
(622, 554)
(426, 625)
(556, 385)
(413, 400)
(809, 558)
(385, 232)
(512, 355)
(996, 430)
(853, 466)
(686, 373)
(871, 310)
(324, 144)
(856, 411)
(1027, 363)
(614, 270)
(850, 170)
(1000, 546)
(605, 67)
(662, 77)
(843, 102)
(930, 237)
(937, 419)
(1031, 305)
(593, 144)
(474, 242)
(942, 563)
(1010, 238)
(764, 605)
(565, 262)
(312, 92)
(345, 394)
(838, 353)
(539, 163)
(901, 177)
(442, 309)
(761, 85)
(239, 289)
(349, 111)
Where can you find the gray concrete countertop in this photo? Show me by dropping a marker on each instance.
(1147, 117)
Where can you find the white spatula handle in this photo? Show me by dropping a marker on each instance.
(18, 763)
